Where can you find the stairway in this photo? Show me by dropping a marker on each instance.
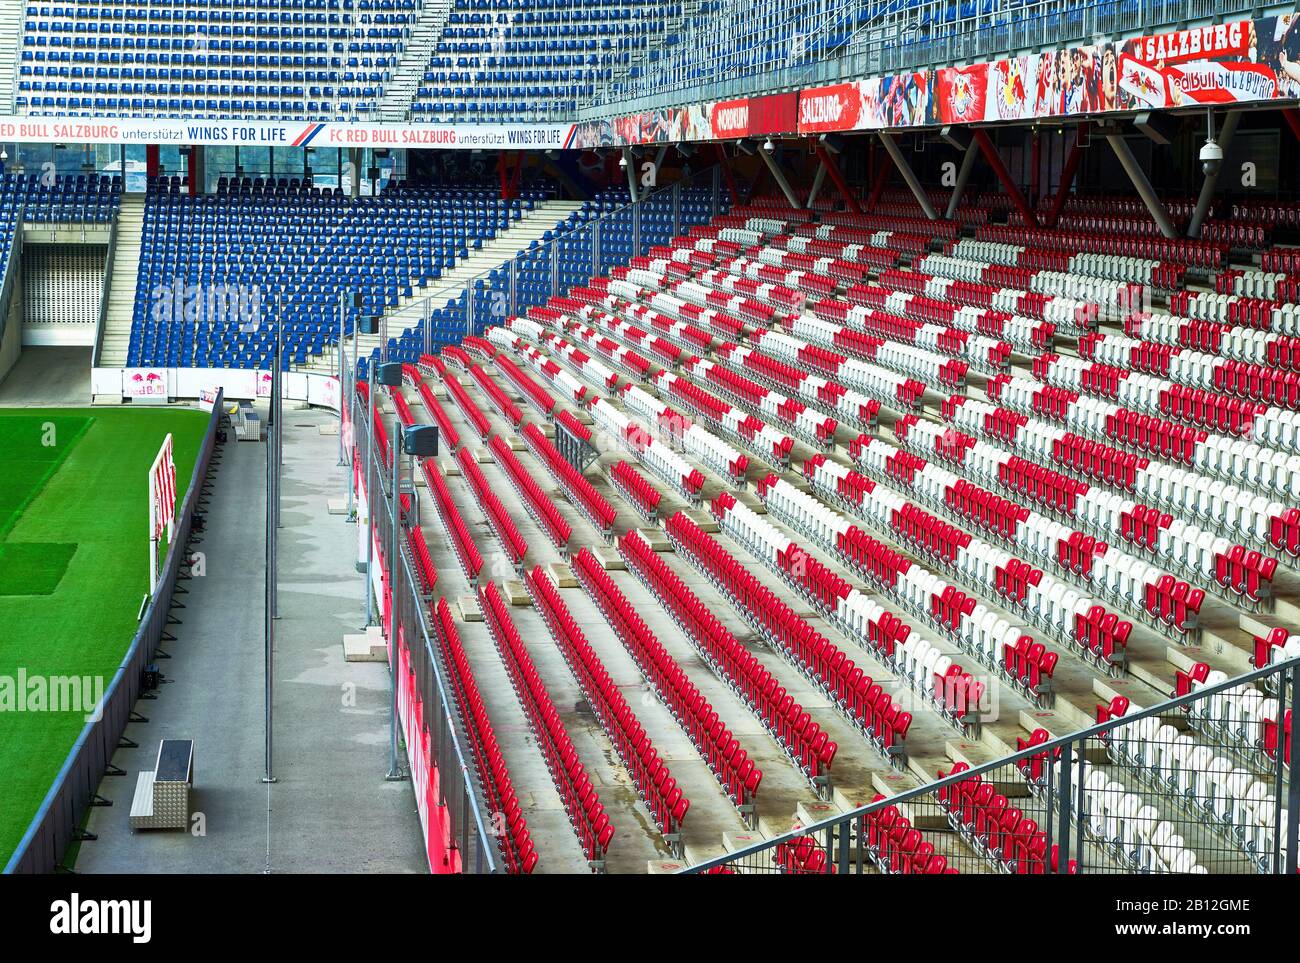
(121, 285)
(410, 311)
(11, 12)
(400, 90)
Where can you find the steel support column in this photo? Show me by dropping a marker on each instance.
(1141, 184)
(778, 175)
(878, 185)
(1292, 118)
(990, 151)
(833, 169)
(963, 178)
(1212, 180)
(909, 175)
(659, 163)
(1035, 165)
(629, 162)
(818, 180)
(1067, 175)
(726, 173)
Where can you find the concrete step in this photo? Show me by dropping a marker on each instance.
(124, 271)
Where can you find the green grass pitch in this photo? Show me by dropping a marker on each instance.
(74, 509)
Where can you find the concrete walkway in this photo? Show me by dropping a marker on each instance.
(45, 377)
(331, 810)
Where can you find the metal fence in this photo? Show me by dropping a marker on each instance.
(13, 270)
(570, 258)
(1197, 784)
(75, 788)
(590, 250)
(459, 812)
(745, 49)
(100, 322)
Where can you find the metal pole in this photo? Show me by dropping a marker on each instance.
(778, 175)
(818, 180)
(1293, 788)
(1063, 801)
(342, 373)
(990, 152)
(352, 421)
(1067, 175)
(629, 164)
(394, 563)
(268, 620)
(277, 403)
(352, 449)
(1142, 185)
(370, 500)
(909, 175)
(963, 176)
(1212, 180)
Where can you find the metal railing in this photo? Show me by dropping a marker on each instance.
(13, 271)
(1193, 784)
(75, 788)
(459, 813)
(104, 288)
(481, 308)
(742, 49)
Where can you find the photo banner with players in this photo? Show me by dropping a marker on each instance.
(1241, 61)
(162, 505)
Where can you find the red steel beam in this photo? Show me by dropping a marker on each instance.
(1292, 118)
(883, 166)
(726, 172)
(1067, 175)
(990, 151)
(837, 178)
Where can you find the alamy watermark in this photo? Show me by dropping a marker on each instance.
(214, 304)
(35, 692)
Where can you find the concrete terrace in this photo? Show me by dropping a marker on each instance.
(331, 810)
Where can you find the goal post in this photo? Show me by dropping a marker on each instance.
(162, 505)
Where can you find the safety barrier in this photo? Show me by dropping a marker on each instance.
(1200, 783)
(452, 815)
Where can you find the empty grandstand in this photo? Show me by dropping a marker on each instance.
(792, 438)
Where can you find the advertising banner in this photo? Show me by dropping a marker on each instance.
(900, 100)
(89, 130)
(144, 383)
(774, 114)
(1246, 60)
(1237, 62)
(729, 119)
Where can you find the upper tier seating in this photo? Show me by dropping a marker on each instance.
(731, 42)
(531, 59)
(217, 268)
(269, 60)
